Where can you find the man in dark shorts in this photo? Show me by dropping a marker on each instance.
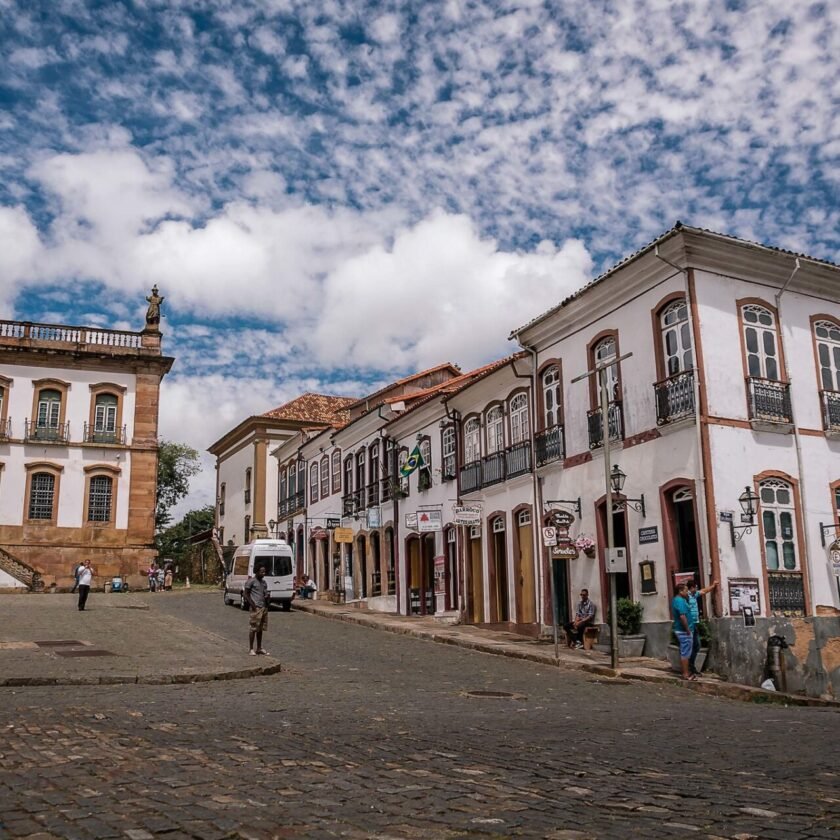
(256, 594)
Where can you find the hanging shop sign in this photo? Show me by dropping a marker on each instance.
(374, 517)
(549, 536)
(411, 521)
(565, 552)
(333, 522)
(429, 520)
(466, 514)
(834, 557)
(319, 534)
(343, 535)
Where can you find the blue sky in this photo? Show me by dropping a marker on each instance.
(331, 194)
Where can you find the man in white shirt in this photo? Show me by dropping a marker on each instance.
(85, 578)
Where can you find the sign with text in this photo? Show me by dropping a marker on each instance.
(649, 534)
(333, 522)
(567, 552)
(834, 557)
(343, 535)
(411, 521)
(374, 517)
(429, 520)
(562, 519)
(744, 593)
(549, 536)
(466, 514)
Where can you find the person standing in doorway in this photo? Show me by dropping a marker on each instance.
(694, 596)
(85, 579)
(256, 594)
(683, 629)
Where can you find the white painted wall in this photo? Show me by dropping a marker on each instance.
(232, 471)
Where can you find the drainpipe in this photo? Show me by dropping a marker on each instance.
(536, 489)
(800, 466)
(705, 536)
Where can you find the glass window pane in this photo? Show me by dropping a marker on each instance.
(783, 496)
(771, 551)
(752, 340)
(753, 365)
(673, 365)
(786, 524)
(670, 342)
(822, 352)
(750, 316)
(836, 355)
(789, 555)
(827, 378)
(769, 519)
(769, 343)
(772, 369)
(765, 318)
(821, 331)
(685, 336)
(768, 495)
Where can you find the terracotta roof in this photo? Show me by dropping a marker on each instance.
(406, 380)
(314, 408)
(677, 228)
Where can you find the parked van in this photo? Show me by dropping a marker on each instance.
(277, 557)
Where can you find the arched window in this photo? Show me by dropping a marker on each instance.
(41, 496)
(248, 486)
(284, 484)
(827, 335)
(603, 352)
(301, 480)
(778, 518)
(336, 470)
(472, 440)
(676, 338)
(761, 342)
(105, 418)
(325, 477)
(498, 525)
(313, 483)
(292, 480)
(100, 498)
(348, 475)
(424, 474)
(495, 424)
(373, 464)
(448, 449)
(551, 396)
(401, 462)
(519, 426)
(360, 469)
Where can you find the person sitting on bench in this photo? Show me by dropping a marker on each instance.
(584, 618)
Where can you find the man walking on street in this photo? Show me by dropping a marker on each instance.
(256, 594)
(85, 578)
(694, 595)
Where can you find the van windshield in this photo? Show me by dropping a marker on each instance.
(276, 565)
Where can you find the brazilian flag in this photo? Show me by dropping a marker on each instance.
(413, 462)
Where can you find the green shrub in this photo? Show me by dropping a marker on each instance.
(629, 617)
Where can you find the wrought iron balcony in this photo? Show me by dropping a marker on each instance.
(375, 583)
(787, 593)
(352, 503)
(492, 469)
(5, 429)
(674, 397)
(615, 422)
(549, 445)
(831, 411)
(386, 486)
(95, 435)
(46, 434)
(471, 477)
(518, 459)
(373, 494)
(392, 581)
(291, 505)
(769, 400)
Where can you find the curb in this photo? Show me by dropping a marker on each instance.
(148, 679)
(732, 691)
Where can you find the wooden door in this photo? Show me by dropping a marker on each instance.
(526, 590)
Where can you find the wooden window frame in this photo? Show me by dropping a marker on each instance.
(112, 472)
(560, 409)
(449, 429)
(348, 473)
(335, 469)
(325, 476)
(50, 384)
(739, 307)
(814, 320)
(508, 410)
(222, 493)
(496, 404)
(99, 389)
(656, 324)
(46, 467)
(314, 482)
(594, 385)
(424, 474)
(5, 385)
(248, 481)
(466, 422)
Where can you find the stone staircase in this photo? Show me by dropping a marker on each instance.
(20, 571)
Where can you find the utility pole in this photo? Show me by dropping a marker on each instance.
(601, 372)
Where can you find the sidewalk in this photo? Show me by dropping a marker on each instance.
(45, 640)
(534, 650)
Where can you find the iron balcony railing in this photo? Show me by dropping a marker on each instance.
(769, 400)
(392, 581)
(386, 489)
(831, 410)
(674, 397)
(291, 505)
(518, 459)
(5, 429)
(787, 593)
(471, 477)
(492, 469)
(353, 502)
(549, 445)
(375, 583)
(46, 434)
(373, 494)
(94, 435)
(615, 422)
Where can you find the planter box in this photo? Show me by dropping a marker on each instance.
(631, 646)
(674, 658)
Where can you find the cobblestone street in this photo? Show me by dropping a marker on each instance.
(368, 734)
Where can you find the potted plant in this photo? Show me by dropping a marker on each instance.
(631, 642)
(705, 628)
(585, 544)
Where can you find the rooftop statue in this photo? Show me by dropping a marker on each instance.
(153, 312)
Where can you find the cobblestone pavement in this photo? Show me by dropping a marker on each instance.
(368, 734)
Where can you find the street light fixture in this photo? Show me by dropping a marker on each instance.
(748, 501)
(617, 479)
(271, 524)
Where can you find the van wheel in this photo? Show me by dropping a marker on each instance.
(227, 600)
(286, 605)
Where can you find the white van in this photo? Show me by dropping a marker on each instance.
(277, 557)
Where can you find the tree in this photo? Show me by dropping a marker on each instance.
(177, 464)
(172, 543)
